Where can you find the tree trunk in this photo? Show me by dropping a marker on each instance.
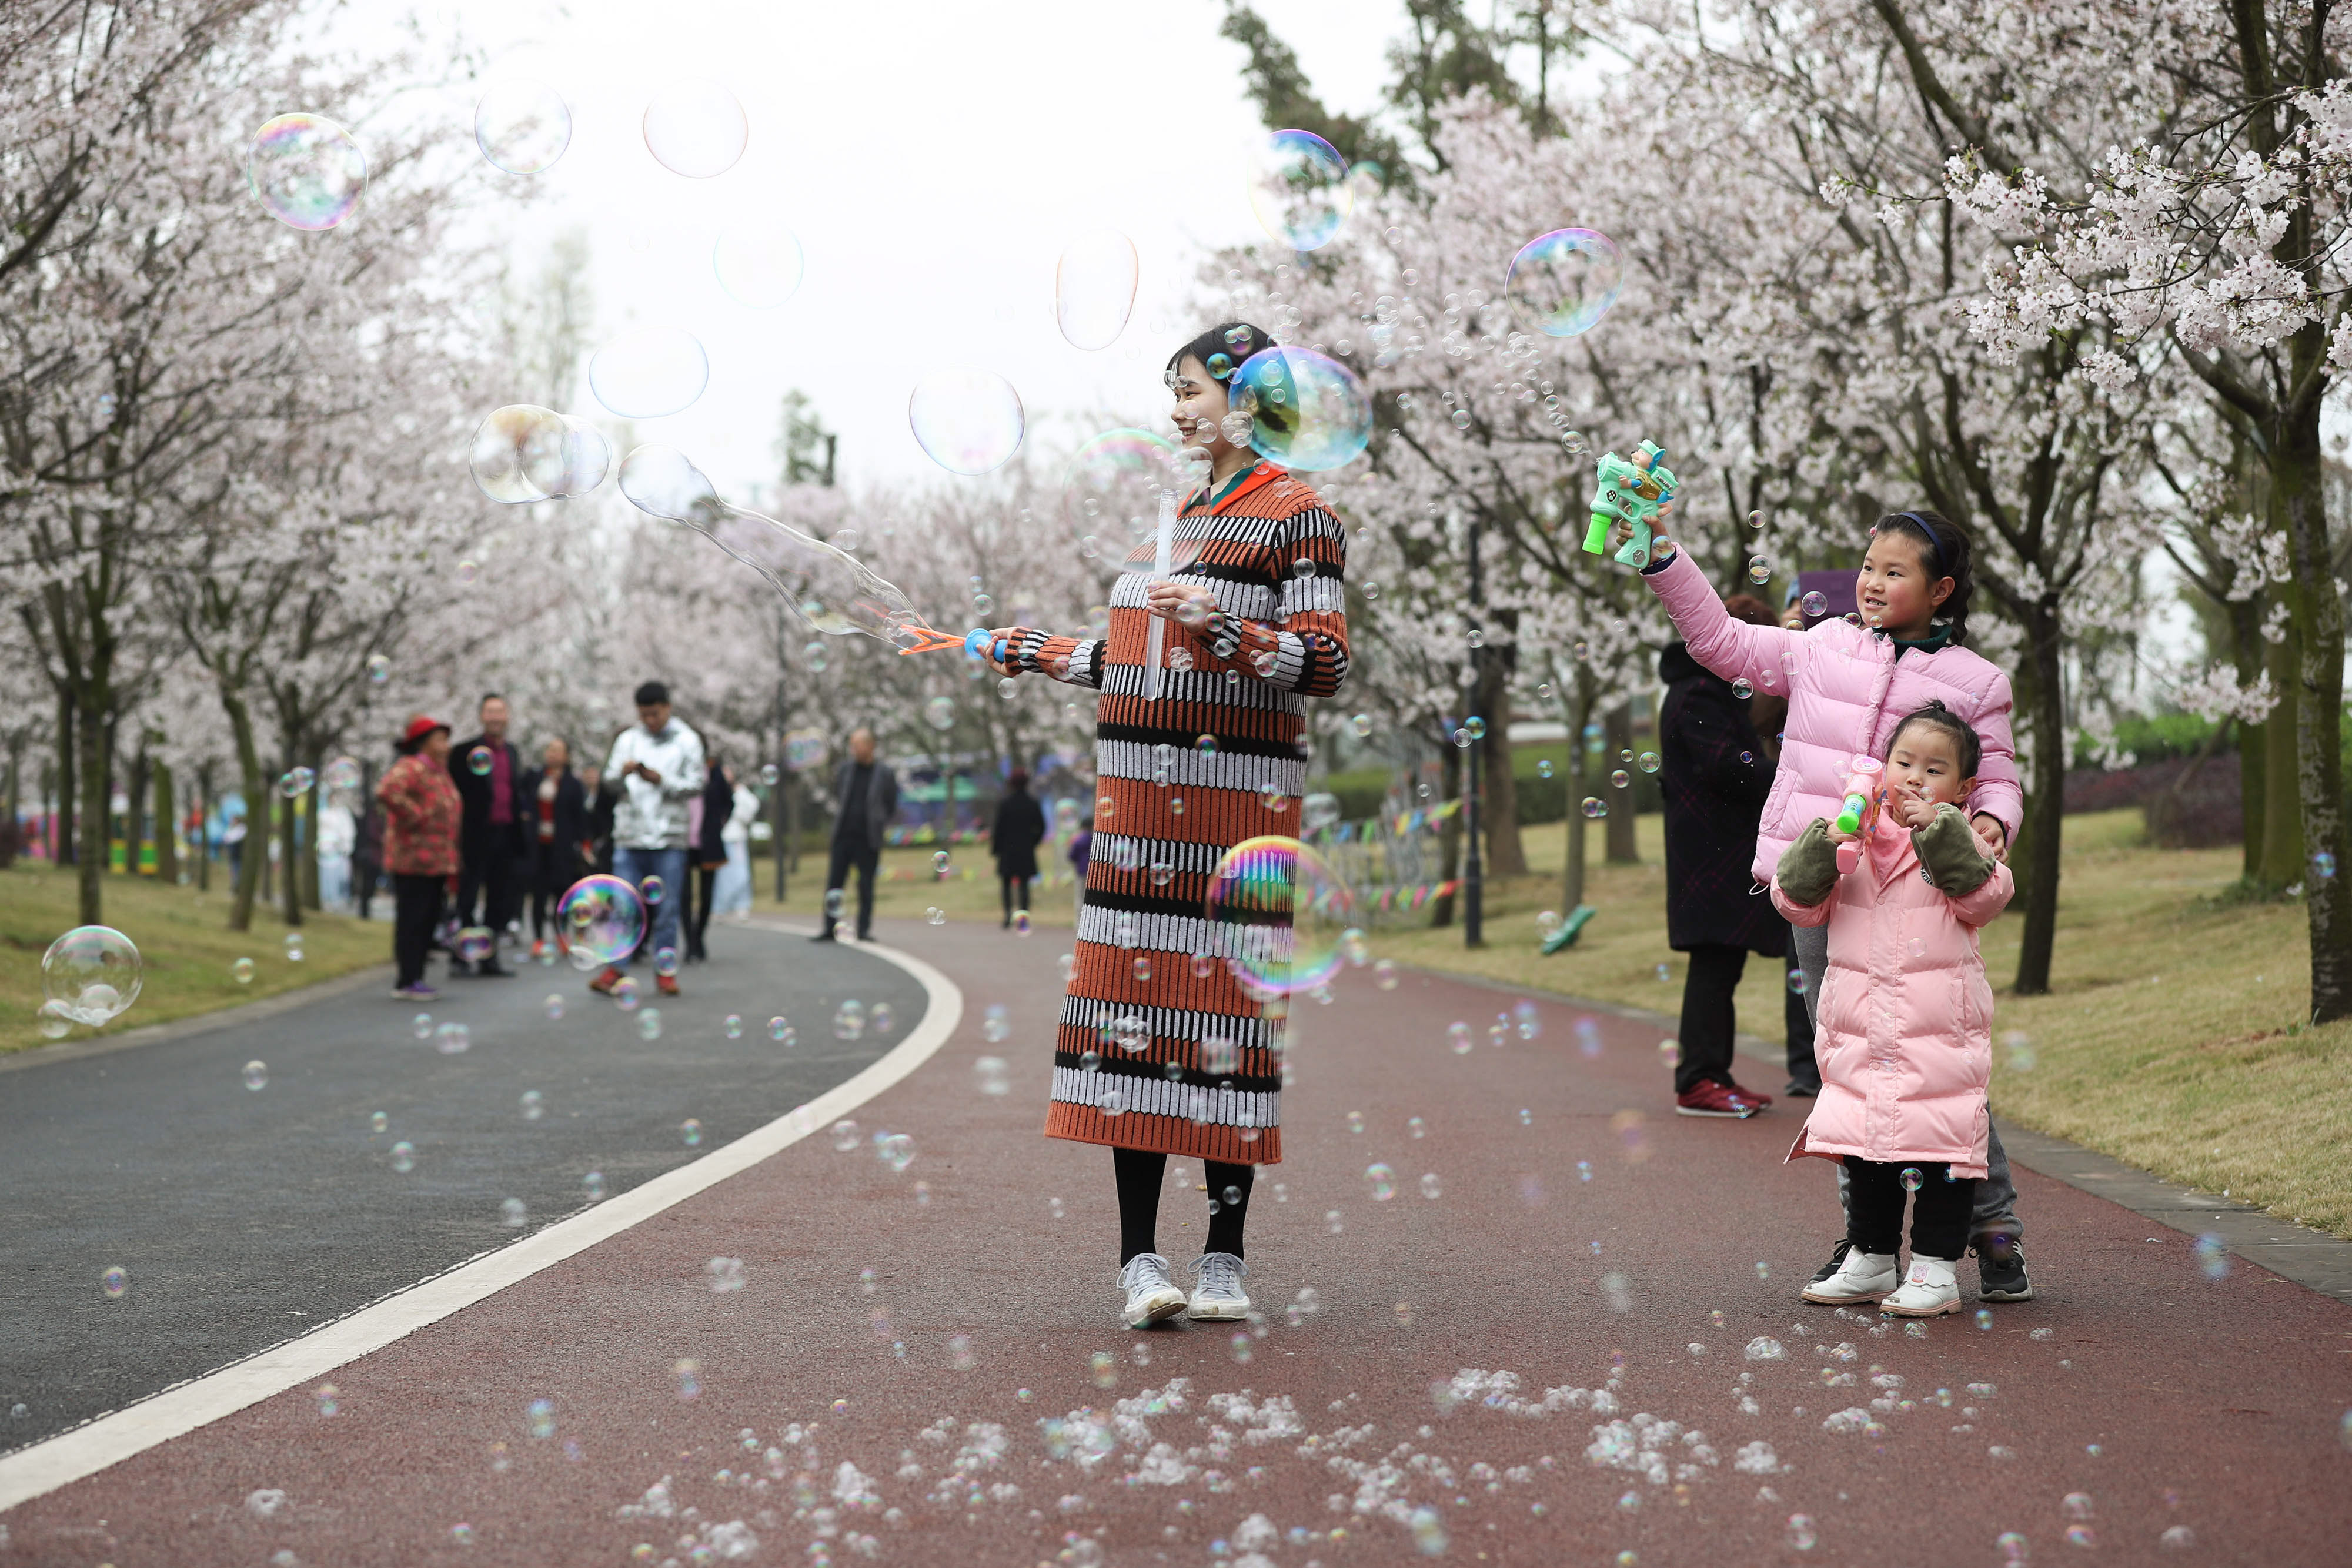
(202, 848)
(1580, 714)
(289, 854)
(254, 852)
(1449, 838)
(167, 829)
(316, 798)
(2045, 798)
(90, 847)
(2297, 478)
(2282, 857)
(1617, 737)
(61, 829)
(1498, 804)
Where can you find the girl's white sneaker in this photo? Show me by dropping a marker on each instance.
(1862, 1277)
(1152, 1296)
(1929, 1291)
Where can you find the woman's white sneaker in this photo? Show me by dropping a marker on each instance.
(1152, 1296)
(1219, 1297)
(1929, 1291)
(1862, 1277)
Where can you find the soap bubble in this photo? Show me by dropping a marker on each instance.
(833, 902)
(1429, 1186)
(1308, 411)
(689, 1133)
(1114, 478)
(1910, 1178)
(601, 918)
(1741, 689)
(1298, 189)
(242, 971)
(624, 993)
(522, 126)
(1760, 569)
(307, 170)
(2323, 865)
(2213, 1256)
(475, 943)
(1797, 982)
(2019, 1048)
(453, 1039)
(1093, 289)
(114, 1281)
(1594, 808)
(1562, 283)
(1381, 1179)
(759, 264)
(939, 712)
(1648, 762)
(1384, 973)
(554, 1005)
(404, 1156)
(780, 1030)
(650, 372)
(1459, 1034)
(967, 421)
(257, 1075)
(90, 975)
(343, 773)
(479, 762)
(1802, 1534)
(525, 453)
(591, 1186)
(378, 669)
(296, 782)
(649, 1024)
(1277, 914)
(694, 127)
(990, 1074)
(1815, 603)
(512, 1213)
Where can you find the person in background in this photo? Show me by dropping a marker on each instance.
(233, 845)
(604, 799)
(657, 764)
(1716, 776)
(367, 857)
(732, 892)
(556, 809)
(337, 835)
(422, 814)
(1014, 841)
(1082, 845)
(487, 769)
(710, 855)
(865, 793)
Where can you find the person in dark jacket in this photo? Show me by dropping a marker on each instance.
(708, 856)
(556, 811)
(1716, 773)
(866, 796)
(367, 854)
(493, 847)
(604, 798)
(1020, 829)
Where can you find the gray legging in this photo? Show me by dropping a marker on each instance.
(1996, 1205)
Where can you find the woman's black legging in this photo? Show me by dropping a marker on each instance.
(1139, 1173)
(1015, 891)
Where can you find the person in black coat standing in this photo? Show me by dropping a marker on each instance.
(555, 805)
(866, 796)
(1020, 829)
(709, 854)
(1717, 771)
(492, 848)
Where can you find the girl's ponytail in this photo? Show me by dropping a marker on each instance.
(1946, 552)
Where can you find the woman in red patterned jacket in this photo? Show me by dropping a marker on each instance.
(1160, 1052)
(421, 816)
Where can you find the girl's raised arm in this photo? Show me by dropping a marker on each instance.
(1719, 641)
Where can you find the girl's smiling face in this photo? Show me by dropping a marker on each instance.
(1201, 407)
(1894, 588)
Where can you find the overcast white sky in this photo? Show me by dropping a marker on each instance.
(934, 156)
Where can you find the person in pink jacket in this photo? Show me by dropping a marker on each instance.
(1848, 683)
(1905, 1037)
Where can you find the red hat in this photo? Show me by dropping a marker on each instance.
(420, 727)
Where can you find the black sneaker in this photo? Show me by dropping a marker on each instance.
(1802, 1088)
(1837, 1256)
(2000, 1270)
(822, 936)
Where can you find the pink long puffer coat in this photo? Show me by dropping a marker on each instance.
(1847, 689)
(1904, 1035)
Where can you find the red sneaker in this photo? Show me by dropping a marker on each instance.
(1712, 1099)
(1755, 1097)
(603, 984)
(666, 984)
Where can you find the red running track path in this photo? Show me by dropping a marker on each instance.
(1531, 1367)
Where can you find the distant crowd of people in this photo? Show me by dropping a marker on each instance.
(468, 835)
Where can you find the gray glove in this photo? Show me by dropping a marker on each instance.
(1808, 870)
(1949, 855)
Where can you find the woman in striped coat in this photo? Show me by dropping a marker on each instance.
(1160, 1051)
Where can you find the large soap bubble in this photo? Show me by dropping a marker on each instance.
(1308, 410)
(695, 127)
(522, 126)
(307, 170)
(758, 265)
(968, 420)
(1111, 492)
(1277, 914)
(600, 920)
(523, 452)
(1562, 283)
(1298, 188)
(649, 372)
(90, 975)
(1093, 289)
(829, 590)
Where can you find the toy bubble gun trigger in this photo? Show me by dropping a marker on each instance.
(1864, 789)
(1640, 490)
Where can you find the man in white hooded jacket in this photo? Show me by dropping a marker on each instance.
(657, 765)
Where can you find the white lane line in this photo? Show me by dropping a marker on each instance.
(112, 1439)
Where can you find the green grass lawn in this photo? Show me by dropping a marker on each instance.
(182, 935)
(2173, 1036)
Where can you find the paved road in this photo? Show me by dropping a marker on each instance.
(241, 1217)
(1529, 1367)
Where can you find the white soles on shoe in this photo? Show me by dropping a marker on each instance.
(1919, 1301)
(1154, 1306)
(1219, 1309)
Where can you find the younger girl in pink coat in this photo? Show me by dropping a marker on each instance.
(1904, 1039)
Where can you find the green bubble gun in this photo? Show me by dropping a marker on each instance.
(1641, 491)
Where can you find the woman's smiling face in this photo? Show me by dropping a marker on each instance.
(1201, 406)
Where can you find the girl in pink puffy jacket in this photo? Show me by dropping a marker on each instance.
(1848, 685)
(1905, 1041)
